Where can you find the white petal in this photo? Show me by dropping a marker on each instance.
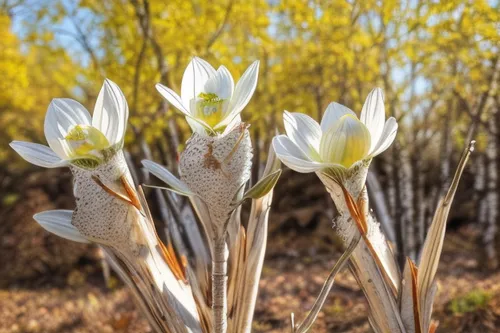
(242, 93)
(38, 154)
(346, 142)
(373, 115)
(62, 115)
(304, 131)
(195, 76)
(167, 177)
(111, 112)
(59, 222)
(172, 97)
(333, 113)
(285, 146)
(387, 137)
(196, 126)
(293, 157)
(221, 84)
(232, 124)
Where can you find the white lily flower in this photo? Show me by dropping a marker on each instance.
(75, 137)
(340, 140)
(209, 99)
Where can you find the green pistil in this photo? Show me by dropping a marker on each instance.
(210, 108)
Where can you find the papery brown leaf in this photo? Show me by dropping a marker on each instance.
(361, 223)
(407, 300)
(434, 326)
(111, 191)
(252, 255)
(173, 263)
(415, 298)
(354, 211)
(132, 193)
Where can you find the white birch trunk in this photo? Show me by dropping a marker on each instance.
(407, 208)
(480, 191)
(491, 199)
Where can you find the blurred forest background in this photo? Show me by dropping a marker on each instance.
(437, 61)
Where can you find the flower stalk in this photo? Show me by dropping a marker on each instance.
(214, 168)
(219, 284)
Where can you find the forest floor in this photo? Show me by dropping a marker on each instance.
(51, 285)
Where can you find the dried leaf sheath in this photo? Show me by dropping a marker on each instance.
(407, 301)
(243, 294)
(359, 213)
(110, 212)
(125, 275)
(383, 307)
(366, 268)
(414, 294)
(253, 250)
(431, 252)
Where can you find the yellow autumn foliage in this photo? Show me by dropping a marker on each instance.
(311, 52)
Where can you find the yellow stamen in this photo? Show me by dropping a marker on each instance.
(209, 108)
(86, 141)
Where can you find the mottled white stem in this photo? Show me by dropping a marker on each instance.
(219, 285)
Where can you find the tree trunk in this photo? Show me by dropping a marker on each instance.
(398, 204)
(491, 199)
(481, 193)
(407, 208)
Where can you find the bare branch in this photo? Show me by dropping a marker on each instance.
(221, 27)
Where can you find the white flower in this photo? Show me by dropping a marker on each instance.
(74, 136)
(209, 98)
(340, 141)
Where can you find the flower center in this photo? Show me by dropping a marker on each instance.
(346, 142)
(209, 108)
(86, 142)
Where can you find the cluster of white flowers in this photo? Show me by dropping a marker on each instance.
(214, 169)
(212, 104)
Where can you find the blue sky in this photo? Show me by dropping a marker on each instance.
(63, 31)
(25, 14)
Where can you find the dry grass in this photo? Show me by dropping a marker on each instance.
(56, 286)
